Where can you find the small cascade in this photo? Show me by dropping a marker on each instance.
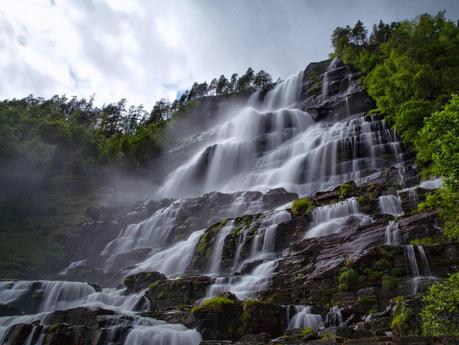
(334, 317)
(262, 250)
(419, 268)
(302, 318)
(329, 219)
(217, 250)
(152, 332)
(390, 204)
(172, 261)
(150, 233)
(431, 184)
(392, 235)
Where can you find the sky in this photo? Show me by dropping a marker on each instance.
(143, 50)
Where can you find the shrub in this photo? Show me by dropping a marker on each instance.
(349, 279)
(441, 308)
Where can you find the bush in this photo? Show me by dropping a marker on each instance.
(401, 315)
(441, 308)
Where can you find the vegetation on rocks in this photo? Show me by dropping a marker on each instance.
(411, 70)
(302, 206)
(441, 308)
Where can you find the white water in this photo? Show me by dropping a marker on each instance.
(392, 235)
(419, 267)
(330, 219)
(217, 249)
(61, 295)
(262, 146)
(273, 144)
(303, 318)
(172, 261)
(390, 204)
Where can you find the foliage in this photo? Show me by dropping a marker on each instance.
(302, 206)
(401, 315)
(348, 279)
(307, 331)
(345, 190)
(411, 70)
(441, 308)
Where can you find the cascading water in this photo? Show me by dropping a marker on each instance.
(302, 318)
(392, 235)
(330, 218)
(266, 144)
(272, 144)
(419, 267)
(390, 204)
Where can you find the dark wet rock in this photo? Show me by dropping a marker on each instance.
(167, 294)
(17, 334)
(219, 318)
(278, 197)
(8, 310)
(142, 280)
(260, 317)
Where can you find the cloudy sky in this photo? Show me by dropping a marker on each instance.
(146, 49)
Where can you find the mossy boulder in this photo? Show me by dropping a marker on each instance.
(219, 318)
(171, 293)
(142, 280)
(260, 317)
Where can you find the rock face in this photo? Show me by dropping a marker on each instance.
(167, 294)
(143, 280)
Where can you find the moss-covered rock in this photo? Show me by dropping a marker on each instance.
(167, 294)
(219, 318)
(303, 206)
(261, 317)
(142, 280)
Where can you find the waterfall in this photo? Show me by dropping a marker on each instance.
(172, 261)
(390, 204)
(303, 318)
(217, 250)
(419, 267)
(152, 332)
(273, 144)
(392, 235)
(329, 219)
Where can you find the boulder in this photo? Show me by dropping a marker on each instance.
(170, 293)
(142, 280)
(17, 334)
(260, 317)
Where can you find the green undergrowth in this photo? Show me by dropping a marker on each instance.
(214, 304)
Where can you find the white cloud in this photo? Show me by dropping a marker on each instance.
(143, 50)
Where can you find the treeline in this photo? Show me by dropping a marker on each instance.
(247, 83)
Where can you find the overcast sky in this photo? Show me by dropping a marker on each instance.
(143, 50)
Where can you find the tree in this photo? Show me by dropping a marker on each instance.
(245, 82)
(441, 307)
(340, 39)
(262, 80)
(160, 111)
(233, 83)
(212, 87)
(222, 86)
(359, 33)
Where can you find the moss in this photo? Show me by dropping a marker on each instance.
(401, 315)
(367, 302)
(389, 283)
(348, 279)
(428, 240)
(215, 304)
(307, 332)
(345, 190)
(373, 276)
(398, 272)
(382, 265)
(204, 247)
(302, 206)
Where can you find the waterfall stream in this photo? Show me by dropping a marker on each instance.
(262, 145)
